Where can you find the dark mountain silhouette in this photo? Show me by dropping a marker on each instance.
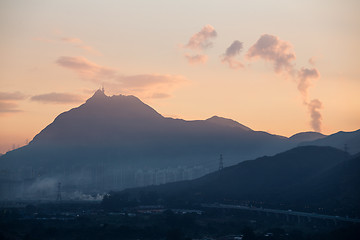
(306, 136)
(340, 140)
(122, 129)
(227, 122)
(305, 176)
(116, 142)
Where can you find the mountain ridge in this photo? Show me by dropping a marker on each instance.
(121, 132)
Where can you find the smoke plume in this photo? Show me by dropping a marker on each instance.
(314, 108)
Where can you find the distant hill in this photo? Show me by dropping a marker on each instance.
(340, 140)
(306, 136)
(227, 123)
(304, 176)
(110, 143)
(113, 142)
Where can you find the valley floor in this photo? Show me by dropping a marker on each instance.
(88, 220)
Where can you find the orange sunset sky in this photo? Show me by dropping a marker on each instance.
(277, 66)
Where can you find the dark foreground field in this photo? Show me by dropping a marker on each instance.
(88, 220)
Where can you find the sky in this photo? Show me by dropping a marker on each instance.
(278, 66)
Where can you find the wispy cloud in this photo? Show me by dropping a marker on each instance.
(143, 85)
(58, 98)
(231, 53)
(8, 102)
(160, 95)
(85, 68)
(312, 60)
(196, 59)
(202, 39)
(273, 49)
(199, 42)
(12, 96)
(8, 107)
(74, 42)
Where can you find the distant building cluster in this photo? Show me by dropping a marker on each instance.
(29, 183)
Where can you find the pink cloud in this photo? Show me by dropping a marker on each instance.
(272, 49)
(201, 40)
(312, 60)
(142, 85)
(12, 96)
(231, 53)
(75, 42)
(196, 59)
(8, 102)
(85, 68)
(59, 98)
(80, 44)
(160, 95)
(8, 107)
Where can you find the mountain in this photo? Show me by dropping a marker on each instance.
(112, 142)
(340, 140)
(227, 123)
(305, 176)
(306, 136)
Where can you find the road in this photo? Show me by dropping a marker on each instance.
(284, 212)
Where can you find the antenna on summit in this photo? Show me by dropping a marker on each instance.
(102, 88)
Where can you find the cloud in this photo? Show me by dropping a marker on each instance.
(80, 44)
(316, 119)
(8, 102)
(156, 86)
(202, 39)
(305, 75)
(230, 54)
(8, 107)
(312, 60)
(75, 42)
(60, 98)
(196, 59)
(142, 85)
(160, 95)
(272, 49)
(12, 96)
(72, 40)
(199, 42)
(85, 68)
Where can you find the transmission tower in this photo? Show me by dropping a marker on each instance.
(58, 196)
(221, 163)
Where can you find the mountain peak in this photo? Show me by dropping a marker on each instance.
(99, 94)
(227, 122)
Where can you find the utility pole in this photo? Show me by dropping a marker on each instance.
(221, 163)
(58, 196)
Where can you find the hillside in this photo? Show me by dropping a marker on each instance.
(306, 176)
